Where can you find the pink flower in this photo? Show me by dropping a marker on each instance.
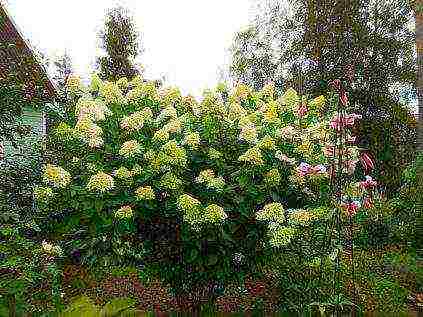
(340, 121)
(351, 164)
(303, 169)
(349, 120)
(318, 169)
(367, 203)
(302, 110)
(336, 123)
(329, 150)
(351, 208)
(366, 162)
(351, 139)
(368, 183)
(344, 99)
(336, 84)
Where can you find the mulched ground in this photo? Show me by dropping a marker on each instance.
(261, 294)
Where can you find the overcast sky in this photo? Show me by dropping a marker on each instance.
(184, 40)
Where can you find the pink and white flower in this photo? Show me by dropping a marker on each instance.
(369, 183)
(366, 162)
(302, 110)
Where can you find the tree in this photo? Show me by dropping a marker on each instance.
(120, 40)
(371, 39)
(252, 60)
(256, 50)
(63, 68)
(418, 13)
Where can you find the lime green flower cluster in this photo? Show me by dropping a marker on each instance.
(111, 93)
(205, 176)
(161, 135)
(290, 98)
(51, 249)
(123, 173)
(170, 95)
(273, 212)
(176, 154)
(317, 103)
(159, 162)
(241, 92)
(236, 112)
(173, 126)
(94, 110)
(123, 83)
(268, 90)
(133, 122)
(191, 208)
(169, 112)
(305, 149)
(208, 177)
(141, 90)
(100, 182)
(89, 132)
(271, 113)
(302, 217)
(192, 140)
(281, 236)
(214, 214)
(187, 202)
(42, 194)
(170, 181)
(145, 193)
(217, 183)
(272, 177)
(73, 83)
(196, 215)
(96, 83)
(130, 149)
(56, 176)
(214, 154)
(248, 133)
(267, 143)
(124, 212)
(64, 131)
(252, 156)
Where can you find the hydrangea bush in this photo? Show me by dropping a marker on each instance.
(238, 172)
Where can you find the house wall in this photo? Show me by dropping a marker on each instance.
(27, 145)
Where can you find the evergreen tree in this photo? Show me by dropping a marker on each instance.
(120, 40)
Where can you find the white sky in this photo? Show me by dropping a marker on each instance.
(184, 40)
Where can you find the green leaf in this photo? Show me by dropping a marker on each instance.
(212, 259)
(116, 306)
(193, 255)
(82, 306)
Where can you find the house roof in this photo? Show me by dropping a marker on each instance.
(19, 61)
